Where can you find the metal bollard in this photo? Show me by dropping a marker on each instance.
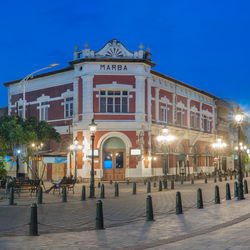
(231, 176)
(11, 196)
(192, 181)
(144, 182)
(172, 184)
(99, 216)
(99, 184)
(235, 176)
(102, 195)
(40, 195)
(181, 180)
(245, 187)
(228, 193)
(33, 226)
(236, 194)
(83, 196)
(205, 180)
(215, 180)
(165, 184)
(216, 195)
(199, 199)
(134, 188)
(64, 194)
(116, 189)
(178, 203)
(246, 174)
(127, 181)
(149, 187)
(160, 186)
(220, 178)
(154, 184)
(110, 182)
(149, 209)
(225, 178)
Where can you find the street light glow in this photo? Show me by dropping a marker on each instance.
(238, 118)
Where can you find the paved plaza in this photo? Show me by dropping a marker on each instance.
(71, 225)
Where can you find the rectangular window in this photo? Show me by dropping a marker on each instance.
(44, 111)
(179, 117)
(69, 107)
(20, 111)
(164, 112)
(206, 124)
(113, 101)
(195, 121)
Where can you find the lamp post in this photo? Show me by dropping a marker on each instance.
(219, 146)
(239, 119)
(92, 129)
(18, 152)
(24, 83)
(74, 148)
(165, 138)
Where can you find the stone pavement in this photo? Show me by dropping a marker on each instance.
(74, 219)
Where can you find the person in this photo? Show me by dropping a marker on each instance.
(57, 184)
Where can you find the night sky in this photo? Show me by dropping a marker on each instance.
(203, 43)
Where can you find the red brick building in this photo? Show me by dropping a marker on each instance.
(130, 103)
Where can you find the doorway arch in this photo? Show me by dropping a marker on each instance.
(114, 159)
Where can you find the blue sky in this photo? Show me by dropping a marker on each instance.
(203, 43)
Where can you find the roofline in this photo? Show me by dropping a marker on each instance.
(112, 60)
(183, 84)
(68, 68)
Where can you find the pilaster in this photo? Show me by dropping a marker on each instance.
(157, 90)
(140, 98)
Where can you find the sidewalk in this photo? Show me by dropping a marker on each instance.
(224, 226)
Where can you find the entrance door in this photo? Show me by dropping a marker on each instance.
(114, 155)
(114, 165)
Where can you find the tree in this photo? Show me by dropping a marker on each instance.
(16, 132)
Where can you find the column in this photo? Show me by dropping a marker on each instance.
(75, 98)
(174, 107)
(140, 98)
(87, 97)
(201, 128)
(188, 113)
(157, 90)
(149, 100)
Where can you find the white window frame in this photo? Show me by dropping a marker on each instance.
(20, 110)
(195, 120)
(68, 103)
(106, 96)
(180, 110)
(207, 119)
(43, 107)
(164, 112)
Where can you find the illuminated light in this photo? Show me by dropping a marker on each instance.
(149, 158)
(33, 145)
(18, 151)
(41, 144)
(238, 118)
(79, 147)
(155, 158)
(236, 148)
(165, 130)
(72, 147)
(92, 127)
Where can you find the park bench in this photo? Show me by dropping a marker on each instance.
(27, 185)
(69, 186)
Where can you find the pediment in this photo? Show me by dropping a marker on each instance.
(114, 49)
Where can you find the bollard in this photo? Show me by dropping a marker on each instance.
(149, 187)
(246, 174)
(64, 194)
(11, 196)
(220, 178)
(99, 184)
(102, 194)
(181, 180)
(83, 196)
(231, 176)
(236, 194)
(225, 178)
(39, 195)
(154, 184)
(127, 181)
(172, 184)
(228, 193)
(205, 180)
(160, 186)
(99, 216)
(199, 199)
(165, 184)
(178, 203)
(116, 189)
(33, 226)
(192, 181)
(235, 176)
(149, 209)
(245, 187)
(215, 180)
(110, 182)
(145, 182)
(216, 195)
(134, 188)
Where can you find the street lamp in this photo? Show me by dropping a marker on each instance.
(219, 146)
(24, 83)
(165, 138)
(75, 147)
(92, 129)
(37, 147)
(239, 119)
(18, 152)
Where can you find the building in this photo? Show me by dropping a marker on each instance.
(131, 104)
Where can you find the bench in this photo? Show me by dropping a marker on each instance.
(69, 187)
(29, 186)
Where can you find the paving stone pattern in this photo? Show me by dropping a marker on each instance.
(76, 215)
